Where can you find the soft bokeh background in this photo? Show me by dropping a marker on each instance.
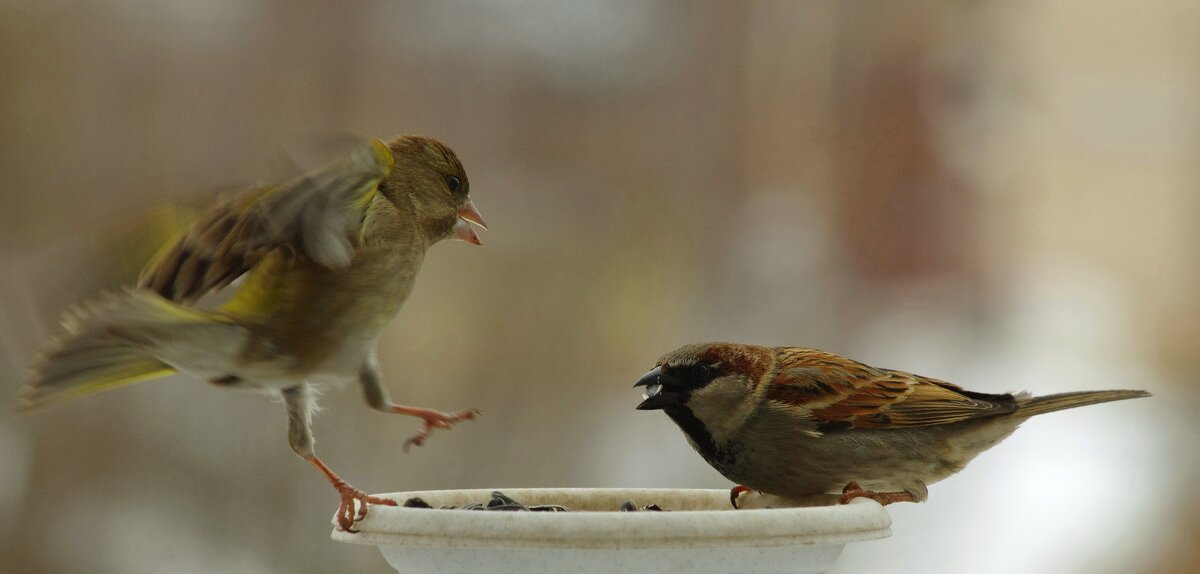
(1001, 194)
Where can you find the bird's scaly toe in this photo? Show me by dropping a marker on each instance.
(436, 420)
(353, 507)
(853, 490)
(736, 492)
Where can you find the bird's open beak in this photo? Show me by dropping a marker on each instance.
(654, 398)
(468, 214)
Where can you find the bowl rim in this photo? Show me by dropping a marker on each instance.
(860, 520)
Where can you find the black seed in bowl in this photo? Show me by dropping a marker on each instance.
(549, 508)
(499, 499)
(504, 503)
(416, 502)
(516, 507)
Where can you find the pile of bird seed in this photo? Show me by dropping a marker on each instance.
(502, 502)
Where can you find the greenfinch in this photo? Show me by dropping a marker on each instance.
(324, 260)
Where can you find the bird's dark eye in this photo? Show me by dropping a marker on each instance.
(454, 183)
(697, 374)
(688, 375)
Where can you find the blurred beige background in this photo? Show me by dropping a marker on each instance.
(1001, 194)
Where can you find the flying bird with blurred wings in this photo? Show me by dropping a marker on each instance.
(322, 264)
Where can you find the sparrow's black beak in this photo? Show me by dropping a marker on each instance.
(655, 398)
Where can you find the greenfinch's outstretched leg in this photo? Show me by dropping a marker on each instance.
(377, 398)
(299, 409)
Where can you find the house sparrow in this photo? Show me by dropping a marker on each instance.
(793, 422)
(326, 261)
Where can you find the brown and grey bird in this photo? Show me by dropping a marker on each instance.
(794, 422)
(325, 261)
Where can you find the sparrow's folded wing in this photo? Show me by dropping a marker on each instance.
(841, 394)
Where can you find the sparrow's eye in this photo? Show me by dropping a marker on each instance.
(699, 373)
(454, 183)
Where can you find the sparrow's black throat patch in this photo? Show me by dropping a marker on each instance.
(694, 429)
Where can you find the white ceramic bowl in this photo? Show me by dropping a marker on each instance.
(701, 534)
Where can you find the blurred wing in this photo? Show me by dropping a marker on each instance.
(843, 394)
(317, 215)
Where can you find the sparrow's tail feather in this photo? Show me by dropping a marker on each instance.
(113, 341)
(1047, 404)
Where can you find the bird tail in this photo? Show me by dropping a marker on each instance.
(1050, 403)
(108, 344)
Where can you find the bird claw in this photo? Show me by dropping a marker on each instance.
(348, 513)
(736, 492)
(438, 420)
(853, 490)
